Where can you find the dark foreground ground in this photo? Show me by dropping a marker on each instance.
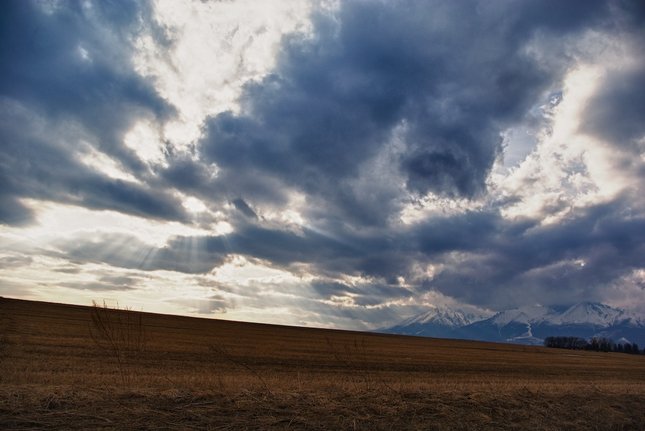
(70, 367)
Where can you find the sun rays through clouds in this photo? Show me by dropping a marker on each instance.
(322, 163)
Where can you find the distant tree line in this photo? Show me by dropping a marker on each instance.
(596, 344)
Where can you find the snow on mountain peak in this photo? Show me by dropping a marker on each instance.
(583, 313)
(445, 316)
(527, 325)
(590, 313)
(528, 314)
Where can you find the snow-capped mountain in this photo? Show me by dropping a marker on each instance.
(583, 313)
(530, 314)
(439, 321)
(528, 325)
(441, 315)
(595, 314)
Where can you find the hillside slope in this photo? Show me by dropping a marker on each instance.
(188, 373)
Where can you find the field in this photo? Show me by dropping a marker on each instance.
(60, 370)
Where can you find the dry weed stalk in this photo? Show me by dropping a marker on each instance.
(120, 333)
(3, 350)
(5, 324)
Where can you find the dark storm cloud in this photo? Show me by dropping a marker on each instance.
(484, 260)
(187, 174)
(367, 256)
(43, 62)
(106, 193)
(441, 80)
(13, 212)
(364, 294)
(382, 104)
(398, 77)
(244, 208)
(561, 263)
(466, 232)
(616, 111)
(39, 159)
(66, 80)
(336, 99)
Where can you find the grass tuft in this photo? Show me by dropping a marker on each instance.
(120, 333)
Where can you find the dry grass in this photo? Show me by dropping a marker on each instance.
(120, 334)
(209, 374)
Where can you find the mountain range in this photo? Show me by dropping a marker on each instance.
(527, 325)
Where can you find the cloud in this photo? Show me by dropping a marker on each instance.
(345, 99)
(367, 163)
(15, 261)
(205, 306)
(340, 97)
(614, 114)
(194, 254)
(182, 254)
(244, 208)
(66, 82)
(559, 263)
(484, 259)
(13, 212)
(105, 283)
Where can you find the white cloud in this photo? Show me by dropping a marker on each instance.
(628, 291)
(242, 272)
(567, 170)
(56, 222)
(105, 164)
(215, 48)
(194, 205)
(145, 139)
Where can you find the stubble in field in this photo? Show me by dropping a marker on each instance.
(186, 373)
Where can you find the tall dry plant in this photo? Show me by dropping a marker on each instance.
(4, 341)
(120, 333)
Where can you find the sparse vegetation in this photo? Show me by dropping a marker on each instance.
(4, 339)
(56, 378)
(120, 334)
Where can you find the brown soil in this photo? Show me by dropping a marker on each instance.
(186, 373)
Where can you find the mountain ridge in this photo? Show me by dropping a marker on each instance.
(527, 325)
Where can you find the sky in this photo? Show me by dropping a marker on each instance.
(340, 164)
